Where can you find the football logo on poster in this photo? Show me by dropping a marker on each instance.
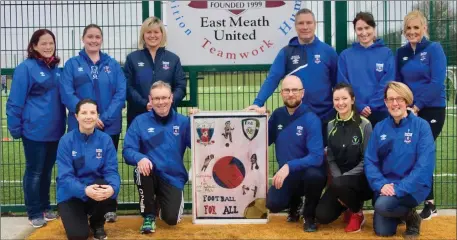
(250, 128)
(229, 183)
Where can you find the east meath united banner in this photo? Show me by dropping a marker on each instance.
(229, 167)
(229, 32)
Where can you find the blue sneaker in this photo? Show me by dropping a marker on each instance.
(37, 222)
(49, 216)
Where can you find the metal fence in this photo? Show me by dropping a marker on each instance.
(209, 87)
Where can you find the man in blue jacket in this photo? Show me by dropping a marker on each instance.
(315, 63)
(155, 144)
(296, 132)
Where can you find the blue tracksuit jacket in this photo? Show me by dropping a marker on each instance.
(142, 71)
(163, 144)
(103, 82)
(402, 154)
(82, 159)
(315, 64)
(424, 71)
(297, 138)
(34, 109)
(368, 70)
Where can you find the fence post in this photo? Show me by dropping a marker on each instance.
(432, 30)
(328, 22)
(158, 9)
(145, 9)
(385, 19)
(193, 87)
(341, 34)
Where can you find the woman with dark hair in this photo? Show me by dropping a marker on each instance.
(35, 114)
(95, 75)
(151, 63)
(348, 136)
(368, 65)
(88, 180)
(421, 65)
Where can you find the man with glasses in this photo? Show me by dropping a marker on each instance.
(296, 132)
(155, 143)
(315, 63)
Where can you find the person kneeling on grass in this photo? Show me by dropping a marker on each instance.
(296, 132)
(348, 136)
(399, 163)
(155, 143)
(88, 180)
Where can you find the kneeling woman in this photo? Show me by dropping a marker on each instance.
(348, 136)
(399, 163)
(88, 180)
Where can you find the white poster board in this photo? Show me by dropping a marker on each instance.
(229, 167)
(229, 32)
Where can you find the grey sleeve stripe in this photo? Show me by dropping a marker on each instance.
(181, 208)
(297, 69)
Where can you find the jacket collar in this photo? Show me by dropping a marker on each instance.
(103, 57)
(84, 137)
(377, 43)
(403, 121)
(294, 42)
(420, 46)
(160, 51)
(338, 119)
(163, 120)
(301, 109)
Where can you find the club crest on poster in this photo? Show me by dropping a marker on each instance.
(250, 127)
(205, 132)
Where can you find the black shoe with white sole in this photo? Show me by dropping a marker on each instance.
(429, 211)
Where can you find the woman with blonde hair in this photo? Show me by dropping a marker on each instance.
(151, 63)
(421, 64)
(399, 164)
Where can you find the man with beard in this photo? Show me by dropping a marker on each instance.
(296, 132)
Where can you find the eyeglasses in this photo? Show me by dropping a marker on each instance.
(289, 90)
(158, 99)
(398, 99)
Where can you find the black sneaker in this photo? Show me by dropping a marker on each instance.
(429, 211)
(309, 225)
(293, 214)
(413, 225)
(99, 233)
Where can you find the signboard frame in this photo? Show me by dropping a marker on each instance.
(262, 161)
